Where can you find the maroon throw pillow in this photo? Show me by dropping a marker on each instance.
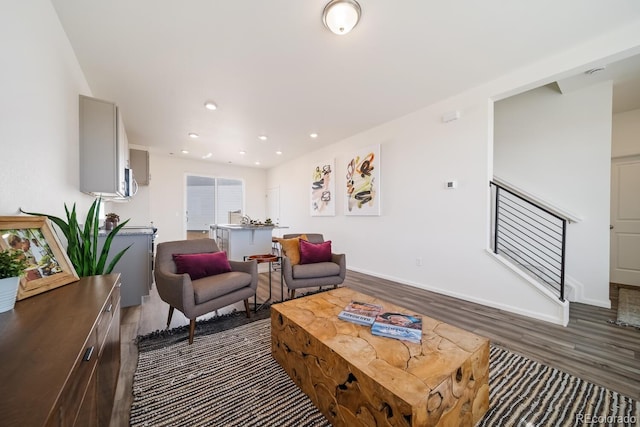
(202, 265)
(314, 252)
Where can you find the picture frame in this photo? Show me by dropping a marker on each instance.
(362, 182)
(49, 265)
(323, 189)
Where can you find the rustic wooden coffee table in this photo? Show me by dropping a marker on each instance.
(356, 378)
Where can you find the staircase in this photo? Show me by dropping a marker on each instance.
(531, 236)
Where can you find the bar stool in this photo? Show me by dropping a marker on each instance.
(270, 258)
(276, 250)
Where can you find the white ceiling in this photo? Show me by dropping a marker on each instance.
(273, 69)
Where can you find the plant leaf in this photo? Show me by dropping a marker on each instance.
(115, 260)
(107, 245)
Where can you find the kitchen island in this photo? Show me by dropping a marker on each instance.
(240, 240)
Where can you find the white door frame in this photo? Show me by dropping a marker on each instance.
(625, 220)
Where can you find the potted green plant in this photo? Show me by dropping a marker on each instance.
(111, 221)
(13, 263)
(82, 242)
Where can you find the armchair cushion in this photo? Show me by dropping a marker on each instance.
(316, 270)
(291, 248)
(216, 286)
(201, 265)
(311, 253)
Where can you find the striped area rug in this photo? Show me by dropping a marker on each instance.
(229, 378)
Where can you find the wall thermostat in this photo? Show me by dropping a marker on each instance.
(451, 185)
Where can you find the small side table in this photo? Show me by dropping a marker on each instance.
(270, 258)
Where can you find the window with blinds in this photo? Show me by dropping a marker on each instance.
(210, 200)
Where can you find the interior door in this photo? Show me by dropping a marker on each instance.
(625, 221)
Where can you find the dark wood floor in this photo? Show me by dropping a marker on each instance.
(589, 347)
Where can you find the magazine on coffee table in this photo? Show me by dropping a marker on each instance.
(400, 326)
(362, 313)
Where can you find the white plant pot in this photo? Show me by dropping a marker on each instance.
(8, 293)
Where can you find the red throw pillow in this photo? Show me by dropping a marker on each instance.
(202, 265)
(314, 252)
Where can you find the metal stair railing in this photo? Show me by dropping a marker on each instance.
(531, 236)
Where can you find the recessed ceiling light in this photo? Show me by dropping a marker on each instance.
(258, 163)
(193, 135)
(262, 137)
(242, 152)
(278, 152)
(206, 156)
(313, 135)
(184, 151)
(210, 105)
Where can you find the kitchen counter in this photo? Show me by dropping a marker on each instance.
(136, 266)
(134, 230)
(243, 226)
(240, 240)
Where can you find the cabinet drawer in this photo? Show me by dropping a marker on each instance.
(105, 318)
(74, 392)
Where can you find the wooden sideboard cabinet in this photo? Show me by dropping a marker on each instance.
(60, 355)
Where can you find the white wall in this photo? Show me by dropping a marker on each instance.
(447, 229)
(167, 192)
(626, 134)
(40, 80)
(557, 146)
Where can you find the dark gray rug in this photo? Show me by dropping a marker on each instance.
(229, 378)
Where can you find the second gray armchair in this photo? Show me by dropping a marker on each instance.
(326, 273)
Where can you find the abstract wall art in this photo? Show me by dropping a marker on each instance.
(323, 189)
(363, 182)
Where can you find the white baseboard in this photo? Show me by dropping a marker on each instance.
(562, 319)
(577, 294)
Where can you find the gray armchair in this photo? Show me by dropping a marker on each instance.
(204, 295)
(311, 275)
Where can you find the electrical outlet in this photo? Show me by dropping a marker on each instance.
(419, 261)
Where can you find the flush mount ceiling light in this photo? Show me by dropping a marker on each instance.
(193, 135)
(262, 137)
(313, 135)
(210, 105)
(340, 16)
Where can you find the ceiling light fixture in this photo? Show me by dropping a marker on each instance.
(193, 135)
(340, 16)
(279, 153)
(313, 135)
(262, 137)
(242, 152)
(210, 105)
(184, 151)
(257, 163)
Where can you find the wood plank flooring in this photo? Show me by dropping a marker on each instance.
(589, 347)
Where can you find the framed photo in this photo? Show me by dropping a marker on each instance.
(362, 185)
(323, 189)
(49, 265)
